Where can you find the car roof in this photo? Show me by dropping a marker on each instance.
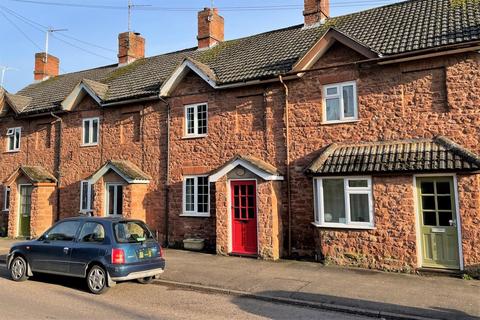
(99, 219)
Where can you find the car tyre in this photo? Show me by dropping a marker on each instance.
(18, 269)
(97, 279)
(146, 280)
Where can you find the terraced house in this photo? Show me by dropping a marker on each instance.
(351, 139)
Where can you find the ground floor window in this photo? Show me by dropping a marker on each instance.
(6, 198)
(86, 196)
(342, 202)
(195, 196)
(114, 199)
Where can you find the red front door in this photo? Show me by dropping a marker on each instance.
(244, 217)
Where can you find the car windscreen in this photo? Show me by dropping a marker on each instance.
(131, 232)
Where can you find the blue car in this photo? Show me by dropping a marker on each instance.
(103, 251)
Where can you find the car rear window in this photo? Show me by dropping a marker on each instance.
(131, 232)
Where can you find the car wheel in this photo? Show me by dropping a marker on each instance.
(97, 280)
(146, 280)
(18, 269)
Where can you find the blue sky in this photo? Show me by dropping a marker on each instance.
(164, 30)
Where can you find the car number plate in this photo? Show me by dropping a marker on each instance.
(145, 253)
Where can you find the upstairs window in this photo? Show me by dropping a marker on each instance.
(90, 131)
(86, 196)
(340, 102)
(6, 198)
(195, 196)
(13, 139)
(196, 120)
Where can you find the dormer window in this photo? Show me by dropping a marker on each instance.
(13, 139)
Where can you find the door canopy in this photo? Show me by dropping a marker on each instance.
(35, 174)
(259, 167)
(125, 169)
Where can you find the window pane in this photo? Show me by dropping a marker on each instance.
(334, 200)
(64, 231)
(190, 120)
(119, 200)
(17, 139)
(443, 187)
(427, 188)
(359, 208)
(444, 218)
(358, 183)
(7, 198)
(251, 213)
(92, 232)
(428, 202)
(333, 106)
(84, 193)
(444, 203)
(202, 119)
(332, 91)
(429, 218)
(11, 143)
(111, 199)
(86, 132)
(348, 102)
(202, 194)
(92, 196)
(95, 131)
(189, 194)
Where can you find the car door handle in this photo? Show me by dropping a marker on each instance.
(65, 250)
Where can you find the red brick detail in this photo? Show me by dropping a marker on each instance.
(210, 28)
(315, 11)
(46, 66)
(197, 170)
(131, 46)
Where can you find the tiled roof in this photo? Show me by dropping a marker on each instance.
(420, 155)
(35, 174)
(264, 169)
(397, 28)
(127, 170)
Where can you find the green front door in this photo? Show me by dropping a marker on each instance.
(438, 225)
(25, 209)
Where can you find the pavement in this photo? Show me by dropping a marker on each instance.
(357, 291)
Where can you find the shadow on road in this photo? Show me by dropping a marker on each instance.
(434, 312)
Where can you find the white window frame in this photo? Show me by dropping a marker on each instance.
(6, 195)
(195, 133)
(89, 196)
(115, 208)
(12, 132)
(195, 212)
(339, 95)
(319, 204)
(90, 131)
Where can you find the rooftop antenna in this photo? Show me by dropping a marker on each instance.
(4, 69)
(132, 6)
(50, 30)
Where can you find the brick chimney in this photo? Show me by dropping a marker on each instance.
(46, 66)
(131, 46)
(315, 12)
(210, 28)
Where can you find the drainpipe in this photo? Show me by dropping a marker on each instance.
(287, 142)
(58, 159)
(167, 173)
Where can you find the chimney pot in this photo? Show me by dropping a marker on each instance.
(131, 47)
(211, 30)
(46, 66)
(315, 12)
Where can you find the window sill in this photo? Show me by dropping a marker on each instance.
(195, 215)
(343, 226)
(88, 145)
(12, 151)
(194, 136)
(326, 123)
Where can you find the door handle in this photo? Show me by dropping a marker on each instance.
(452, 223)
(65, 250)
